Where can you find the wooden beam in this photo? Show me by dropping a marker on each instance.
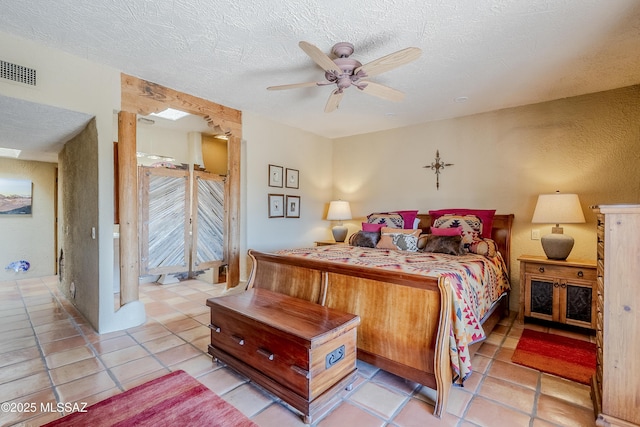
(143, 97)
(128, 207)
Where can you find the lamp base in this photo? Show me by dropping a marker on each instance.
(557, 246)
(339, 233)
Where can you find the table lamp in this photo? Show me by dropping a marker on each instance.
(555, 209)
(339, 210)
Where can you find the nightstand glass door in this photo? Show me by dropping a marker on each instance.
(541, 301)
(579, 303)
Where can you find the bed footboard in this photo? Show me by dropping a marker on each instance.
(405, 319)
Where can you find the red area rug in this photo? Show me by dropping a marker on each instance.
(176, 399)
(554, 354)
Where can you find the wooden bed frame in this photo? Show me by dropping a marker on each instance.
(405, 318)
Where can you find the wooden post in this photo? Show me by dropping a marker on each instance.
(233, 214)
(128, 207)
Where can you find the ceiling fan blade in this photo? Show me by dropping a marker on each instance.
(382, 91)
(389, 62)
(319, 57)
(292, 86)
(333, 101)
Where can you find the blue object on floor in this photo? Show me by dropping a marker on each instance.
(18, 266)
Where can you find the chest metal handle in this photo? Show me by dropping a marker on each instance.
(541, 269)
(240, 340)
(580, 273)
(266, 353)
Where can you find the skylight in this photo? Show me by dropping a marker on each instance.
(170, 114)
(9, 152)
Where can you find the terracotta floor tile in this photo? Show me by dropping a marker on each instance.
(34, 400)
(249, 399)
(222, 381)
(16, 356)
(16, 333)
(58, 324)
(63, 344)
(18, 344)
(196, 366)
(350, 415)
(82, 388)
(509, 393)
(196, 333)
(504, 354)
(135, 368)
(24, 386)
(177, 354)
(564, 413)
(163, 343)
(136, 381)
(377, 399)
(486, 413)
(480, 363)
(276, 415)
(459, 399)
(487, 349)
(472, 383)
(514, 373)
(124, 355)
(394, 382)
(417, 413)
(182, 324)
(73, 371)
(57, 334)
(113, 344)
(566, 390)
(365, 369)
(21, 369)
(61, 358)
(150, 332)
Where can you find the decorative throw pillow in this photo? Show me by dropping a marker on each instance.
(397, 238)
(409, 218)
(394, 220)
(451, 245)
(486, 247)
(455, 231)
(470, 224)
(371, 227)
(365, 239)
(485, 215)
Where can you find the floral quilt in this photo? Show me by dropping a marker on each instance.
(477, 282)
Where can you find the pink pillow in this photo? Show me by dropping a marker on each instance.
(408, 217)
(485, 215)
(371, 227)
(456, 231)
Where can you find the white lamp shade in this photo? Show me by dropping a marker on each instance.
(339, 210)
(558, 208)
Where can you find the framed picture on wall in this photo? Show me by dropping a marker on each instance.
(293, 206)
(275, 176)
(276, 205)
(292, 178)
(15, 196)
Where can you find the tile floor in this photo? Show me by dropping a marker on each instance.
(49, 353)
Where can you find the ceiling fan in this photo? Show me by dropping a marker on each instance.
(344, 71)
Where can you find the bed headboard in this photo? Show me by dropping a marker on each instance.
(500, 233)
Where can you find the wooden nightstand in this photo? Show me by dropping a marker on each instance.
(558, 291)
(328, 243)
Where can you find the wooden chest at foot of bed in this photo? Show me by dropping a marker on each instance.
(302, 352)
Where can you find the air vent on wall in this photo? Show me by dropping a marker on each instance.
(17, 73)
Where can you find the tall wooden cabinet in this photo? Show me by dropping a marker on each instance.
(616, 384)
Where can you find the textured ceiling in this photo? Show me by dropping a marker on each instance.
(497, 53)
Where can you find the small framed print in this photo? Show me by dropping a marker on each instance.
(276, 205)
(275, 176)
(292, 178)
(293, 206)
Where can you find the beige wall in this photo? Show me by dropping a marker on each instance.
(502, 160)
(30, 237)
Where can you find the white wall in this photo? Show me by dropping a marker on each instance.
(18, 232)
(76, 84)
(267, 143)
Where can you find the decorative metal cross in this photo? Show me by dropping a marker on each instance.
(437, 166)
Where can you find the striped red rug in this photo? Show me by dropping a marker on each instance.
(565, 357)
(176, 399)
